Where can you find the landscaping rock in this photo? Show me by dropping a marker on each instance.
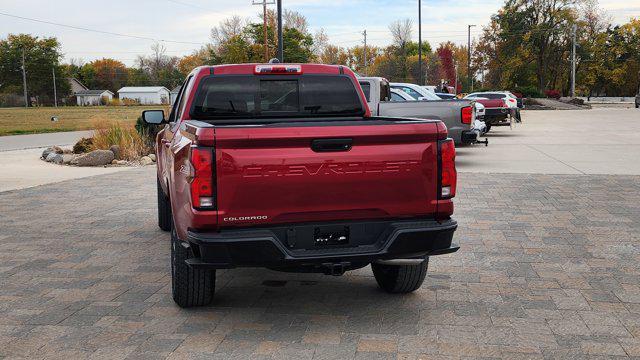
(67, 158)
(115, 149)
(50, 157)
(114, 162)
(122, 162)
(57, 149)
(152, 157)
(94, 158)
(58, 159)
(145, 160)
(46, 152)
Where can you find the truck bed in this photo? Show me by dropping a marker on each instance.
(447, 111)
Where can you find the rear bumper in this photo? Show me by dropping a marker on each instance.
(470, 136)
(494, 116)
(295, 246)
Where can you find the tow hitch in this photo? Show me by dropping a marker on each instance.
(335, 269)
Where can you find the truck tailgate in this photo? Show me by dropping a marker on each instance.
(271, 174)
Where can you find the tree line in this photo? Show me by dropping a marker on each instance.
(526, 48)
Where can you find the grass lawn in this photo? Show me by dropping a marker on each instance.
(14, 121)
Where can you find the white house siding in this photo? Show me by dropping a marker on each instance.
(146, 97)
(88, 100)
(93, 99)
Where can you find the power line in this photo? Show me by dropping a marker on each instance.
(99, 31)
(195, 6)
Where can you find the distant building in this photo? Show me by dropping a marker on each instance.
(146, 95)
(76, 86)
(93, 97)
(173, 95)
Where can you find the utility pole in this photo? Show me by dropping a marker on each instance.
(365, 51)
(455, 85)
(420, 80)
(264, 4)
(280, 44)
(573, 63)
(55, 92)
(24, 81)
(469, 56)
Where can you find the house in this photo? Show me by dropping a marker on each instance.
(93, 97)
(76, 85)
(173, 95)
(146, 95)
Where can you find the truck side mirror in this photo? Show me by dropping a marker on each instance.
(153, 117)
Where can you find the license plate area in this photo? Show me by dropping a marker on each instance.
(331, 236)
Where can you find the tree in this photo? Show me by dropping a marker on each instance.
(197, 58)
(42, 56)
(106, 74)
(445, 55)
(160, 68)
(529, 38)
(228, 28)
(333, 55)
(401, 31)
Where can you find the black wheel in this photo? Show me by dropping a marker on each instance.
(164, 210)
(400, 279)
(488, 128)
(189, 286)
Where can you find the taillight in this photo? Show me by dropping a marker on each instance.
(512, 100)
(467, 115)
(202, 192)
(448, 175)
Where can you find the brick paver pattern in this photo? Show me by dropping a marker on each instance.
(548, 269)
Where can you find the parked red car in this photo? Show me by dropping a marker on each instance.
(281, 166)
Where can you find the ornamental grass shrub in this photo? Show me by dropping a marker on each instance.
(132, 145)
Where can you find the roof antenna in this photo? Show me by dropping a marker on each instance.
(274, 61)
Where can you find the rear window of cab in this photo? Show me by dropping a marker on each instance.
(251, 96)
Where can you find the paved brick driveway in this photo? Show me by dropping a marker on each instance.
(548, 269)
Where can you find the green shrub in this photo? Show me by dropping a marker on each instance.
(146, 131)
(528, 91)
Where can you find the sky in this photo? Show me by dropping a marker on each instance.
(186, 24)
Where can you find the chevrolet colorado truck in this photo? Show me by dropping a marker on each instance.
(457, 115)
(282, 166)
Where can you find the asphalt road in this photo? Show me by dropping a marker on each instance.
(21, 142)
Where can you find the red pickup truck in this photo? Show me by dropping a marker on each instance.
(281, 166)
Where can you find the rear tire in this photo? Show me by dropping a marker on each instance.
(189, 286)
(164, 210)
(488, 128)
(400, 279)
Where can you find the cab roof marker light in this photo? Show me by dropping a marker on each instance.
(278, 69)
